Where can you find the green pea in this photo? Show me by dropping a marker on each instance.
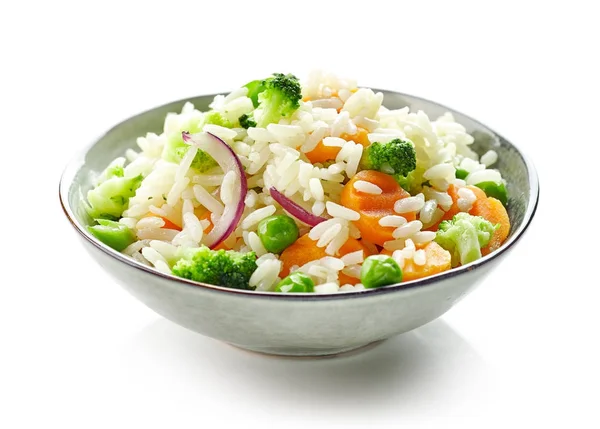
(461, 174)
(494, 190)
(296, 282)
(113, 234)
(380, 270)
(277, 232)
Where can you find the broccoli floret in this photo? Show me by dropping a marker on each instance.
(175, 149)
(413, 182)
(274, 98)
(111, 197)
(395, 157)
(254, 88)
(217, 267)
(216, 118)
(247, 121)
(464, 236)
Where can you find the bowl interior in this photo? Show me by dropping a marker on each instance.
(521, 178)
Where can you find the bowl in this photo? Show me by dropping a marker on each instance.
(290, 324)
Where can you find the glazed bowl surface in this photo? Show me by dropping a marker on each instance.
(296, 324)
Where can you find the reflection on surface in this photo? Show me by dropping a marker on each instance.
(416, 371)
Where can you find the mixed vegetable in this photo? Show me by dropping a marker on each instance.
(266, 190)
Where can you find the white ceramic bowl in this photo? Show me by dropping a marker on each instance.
(296, 324)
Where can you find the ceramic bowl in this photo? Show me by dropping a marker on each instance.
(289, 324)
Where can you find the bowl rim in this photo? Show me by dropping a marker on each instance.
(68, 174)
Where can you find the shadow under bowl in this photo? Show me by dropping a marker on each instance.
(296, 324)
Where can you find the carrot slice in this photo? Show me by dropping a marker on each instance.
(373, 207)
(305, 250)
(494, 211)
(322, 153)
(437, 261)
(453, 192)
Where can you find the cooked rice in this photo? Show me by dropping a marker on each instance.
(275, 156)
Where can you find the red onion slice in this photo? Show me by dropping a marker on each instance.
(295, 210)
(228, 161)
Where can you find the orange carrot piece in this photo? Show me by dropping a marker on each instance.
(437, 261)
(494, 211)
(305, 250)
(322, 153)
(373, 207)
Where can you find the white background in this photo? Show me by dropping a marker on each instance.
(76, 351)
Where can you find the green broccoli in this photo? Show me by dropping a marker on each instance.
(110, 198)
(413, 182)
(254, 88)
(395, 157)
(217, 267)
(113, 234)
(464, 236)
(175, 149)
(215, 118)
(276, 97)
(246, 121)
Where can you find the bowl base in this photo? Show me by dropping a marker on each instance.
(309, 353)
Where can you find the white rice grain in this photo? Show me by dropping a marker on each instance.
(193, 225)
(162, 267)
(407, 230)
(489, 158)
(410, 204)
(256, 244)
(352, 271)
(483, 176)
(150, 222)
(354, 160)
(168, 251)
(327, 288)
(392, 220)
(427, 211)
(353, 258)
(336, 210)
(207, 200)
(157, 234)
(175, 193)
(227, 190)
(420, 258)
(152, 255)
(331, 263)
(317, 231)
(318, 208)
(422, 237)
(329, 235)
(258, 215)
(367, 187)
(316, 189)
(440, 171)
(340, 239)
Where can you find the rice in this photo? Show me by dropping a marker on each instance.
(420, 258)
(335, 113)
(483, 176)
(353, 258)
(367, 187)
(150, 222)
(410, 204)
(336, 210)
(392, 220)
(258, 215)
(489, 158)
(408, 230)
(316, 188)
(207, 200)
